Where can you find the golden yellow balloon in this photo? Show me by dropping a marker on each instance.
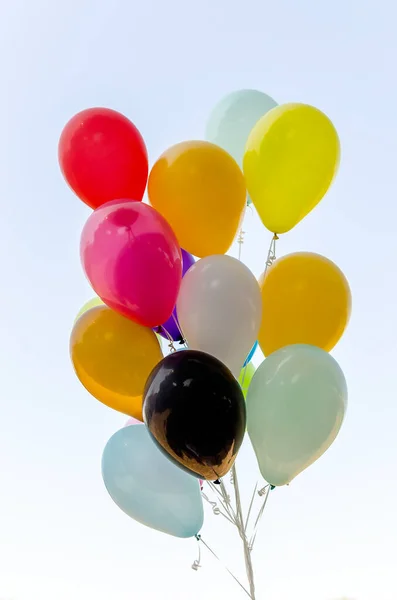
(306, 300)
(199, 188)
(291, 157)
(113, 358)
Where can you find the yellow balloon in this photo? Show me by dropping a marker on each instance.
(291, 157)
(306, 300)
(113, 358)
(90, 304)
(199, 188)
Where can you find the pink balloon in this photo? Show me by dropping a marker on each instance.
(132, 421)
(133, 260)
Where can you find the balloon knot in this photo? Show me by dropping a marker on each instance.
(272, 487)
(198, 537)
(275, 237)
(196, 565)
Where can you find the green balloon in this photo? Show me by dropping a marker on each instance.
(295, 408)
(90, 304)
(233, 118)
(245, 378)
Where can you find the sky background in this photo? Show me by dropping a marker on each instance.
(333, 532)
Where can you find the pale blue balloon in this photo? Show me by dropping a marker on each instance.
(233, 118)
(148, 487)
(251, 354)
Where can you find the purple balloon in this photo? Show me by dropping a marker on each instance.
(170, 326)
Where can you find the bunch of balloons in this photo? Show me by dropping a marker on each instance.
(161, 268)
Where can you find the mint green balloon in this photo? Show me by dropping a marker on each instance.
(148, 487)
(233, 118)
(295, 408)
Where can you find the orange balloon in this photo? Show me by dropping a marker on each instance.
(306, 300)
(199, 188)
(113, 357)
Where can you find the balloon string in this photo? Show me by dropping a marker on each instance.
(215, 508)
(196, 565)
(240, 241)
(263, 492)
(170, 340)
(224, 500)
(229, 504)
(271, 255)
(234, 514)
(179, 329)
(250, 506)
(243, 535)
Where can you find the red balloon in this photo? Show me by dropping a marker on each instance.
(133, 260)
(103, 157)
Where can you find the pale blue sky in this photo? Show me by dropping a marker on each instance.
(333, 532)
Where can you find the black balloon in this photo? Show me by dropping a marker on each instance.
(195, 410)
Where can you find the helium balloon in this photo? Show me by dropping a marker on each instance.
(170, 328)
(132, 260)
(290, 160)
(132, 421)
(251, 353)
(195, 410)
(295, 404)
(246, 376)
(113, 357)
(90, 304)
(233, 118)
(220, 309)
(102, 156)
(200, 190)
(306, 300)
(148, 487)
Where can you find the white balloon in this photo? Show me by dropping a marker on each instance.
(220, 309)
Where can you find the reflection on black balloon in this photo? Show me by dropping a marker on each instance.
(195, 410)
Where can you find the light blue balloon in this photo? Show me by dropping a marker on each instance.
(233, 118)
(251, 354)
(148, 487)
